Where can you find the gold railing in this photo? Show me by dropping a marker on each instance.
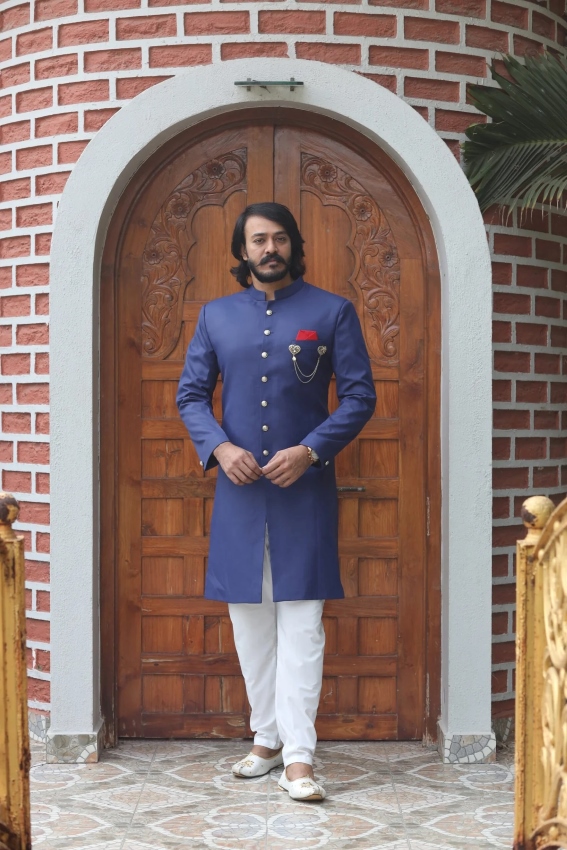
(15, 832)
(541, 678)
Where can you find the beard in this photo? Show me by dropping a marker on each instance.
(267, 275)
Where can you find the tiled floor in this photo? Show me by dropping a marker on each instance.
(161, 795)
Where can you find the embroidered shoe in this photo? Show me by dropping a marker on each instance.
(253, 765)
(302, 789)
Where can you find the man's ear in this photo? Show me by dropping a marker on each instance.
(243, 254)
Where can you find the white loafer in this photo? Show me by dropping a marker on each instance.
(304, 788)
(254, 765)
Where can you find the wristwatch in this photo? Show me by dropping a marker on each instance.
(312, 455)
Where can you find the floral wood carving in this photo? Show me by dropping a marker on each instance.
(165, 266)
(376, 276)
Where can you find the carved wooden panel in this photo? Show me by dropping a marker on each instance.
(377, 268)
(165, 268)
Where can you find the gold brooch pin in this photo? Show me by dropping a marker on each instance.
(295, 350)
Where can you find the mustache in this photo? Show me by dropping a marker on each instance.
(269, 258)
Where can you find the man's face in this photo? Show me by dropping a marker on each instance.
(267, 249)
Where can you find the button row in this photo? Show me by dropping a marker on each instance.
(267, 332)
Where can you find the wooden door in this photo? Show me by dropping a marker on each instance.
(177, 673)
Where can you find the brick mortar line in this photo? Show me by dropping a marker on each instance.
(40, 616)
(25, 408)
(38, 499)
(517, 463)
(543, 377)
(284, 5)
(24, 379)
(519, 491)
(40, 675)
(505, 637)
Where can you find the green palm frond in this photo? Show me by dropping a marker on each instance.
(520, 159)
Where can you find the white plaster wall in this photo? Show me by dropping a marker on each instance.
(97, 181)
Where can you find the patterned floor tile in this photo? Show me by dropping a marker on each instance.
(404, 798)
(284, 826)
(209, 779)
(480, 777)
(175, 795)
(384, 751)
(489, 825)
(49, 822)
(141, 797)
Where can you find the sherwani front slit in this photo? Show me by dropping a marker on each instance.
(280, 647)
(277, 359)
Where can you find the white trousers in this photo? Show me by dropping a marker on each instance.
(280, 647)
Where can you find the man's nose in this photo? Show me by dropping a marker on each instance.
(271, 247)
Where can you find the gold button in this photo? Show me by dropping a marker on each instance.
(265, 428)
(265, 453)
(269, 312)
(264, 378)
(267, 333)
(264, 404)
(264, 354)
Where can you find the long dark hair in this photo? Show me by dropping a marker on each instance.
(280, 215)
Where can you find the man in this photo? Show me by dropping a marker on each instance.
(273, 547)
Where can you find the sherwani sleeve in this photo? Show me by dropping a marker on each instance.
(195, 393)
(355, 389)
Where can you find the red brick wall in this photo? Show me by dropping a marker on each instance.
(529, 395)
(65, 70)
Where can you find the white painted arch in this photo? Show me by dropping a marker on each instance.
(97, 181)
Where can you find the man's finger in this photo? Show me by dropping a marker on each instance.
(255, 463)
(246, 478)
(242, 475)
(276, 473)
(273, 465)
(283, 476)
(249, 461)
(247, 470)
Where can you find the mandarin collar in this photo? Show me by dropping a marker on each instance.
(286, 292)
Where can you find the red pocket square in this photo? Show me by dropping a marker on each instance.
(306, 335)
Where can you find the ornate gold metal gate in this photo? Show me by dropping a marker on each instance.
(541, 678)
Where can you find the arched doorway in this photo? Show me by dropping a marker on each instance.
(169, 667)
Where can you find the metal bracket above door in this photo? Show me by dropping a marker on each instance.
(264, 84)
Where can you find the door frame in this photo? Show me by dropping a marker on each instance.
(109, 415)
(115, 155)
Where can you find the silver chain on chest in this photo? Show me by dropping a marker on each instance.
(301, 376)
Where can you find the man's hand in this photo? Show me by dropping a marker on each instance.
(238, 464)
(287, 466)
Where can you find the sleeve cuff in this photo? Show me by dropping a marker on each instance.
(320, 462)
(207, 458)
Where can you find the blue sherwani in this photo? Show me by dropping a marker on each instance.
(246, 339)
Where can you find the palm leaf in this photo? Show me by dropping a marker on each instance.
(520, 158)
